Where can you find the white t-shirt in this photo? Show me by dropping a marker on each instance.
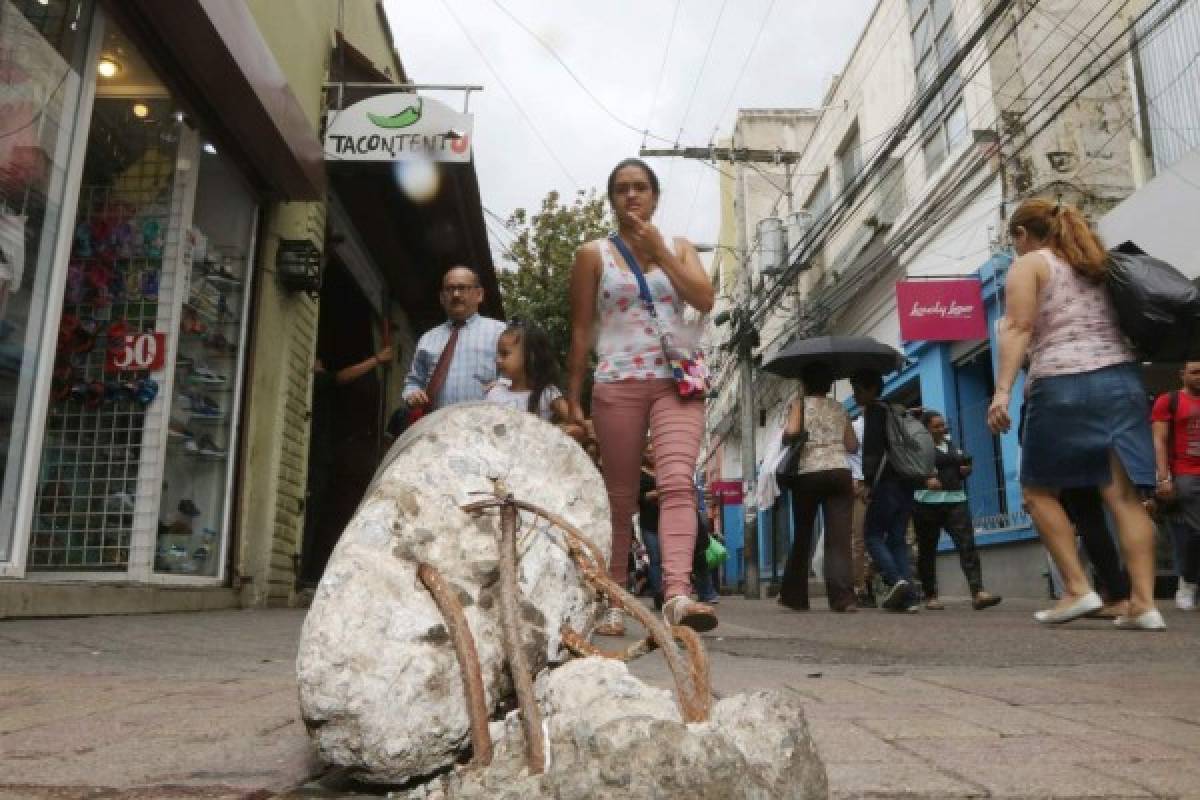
(502, 394)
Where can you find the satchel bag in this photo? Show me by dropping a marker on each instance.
(688, 369)
(790, 461)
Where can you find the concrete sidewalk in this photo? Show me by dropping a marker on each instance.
(952, 704)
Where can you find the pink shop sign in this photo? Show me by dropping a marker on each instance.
(941, 310)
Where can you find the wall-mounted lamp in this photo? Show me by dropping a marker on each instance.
(210, 148)
(108, 66)
(298, 264)
(141, 110)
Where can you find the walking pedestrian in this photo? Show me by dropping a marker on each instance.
(863, 574)
(889, 498)
(634, 388)
(944, 507)
(820, 480)
(1087, 412)
(1176, 418)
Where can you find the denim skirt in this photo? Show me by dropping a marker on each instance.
(1073, 421)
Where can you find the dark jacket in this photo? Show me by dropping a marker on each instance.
(947, 467)
(874, 444)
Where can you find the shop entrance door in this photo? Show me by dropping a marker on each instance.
(346, 420)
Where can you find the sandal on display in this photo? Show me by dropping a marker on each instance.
(147, 390)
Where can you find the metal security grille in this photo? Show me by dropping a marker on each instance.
(88, 483)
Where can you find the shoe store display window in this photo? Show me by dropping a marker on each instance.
(198, 480)
(135, 469)
(43, 58)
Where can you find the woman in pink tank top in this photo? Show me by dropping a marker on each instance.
(1086, 421)
(633, 391)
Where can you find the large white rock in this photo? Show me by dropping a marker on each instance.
(380, 686)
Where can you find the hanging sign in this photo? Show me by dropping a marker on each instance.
(727, 493)
(398, 127)
(941, 310)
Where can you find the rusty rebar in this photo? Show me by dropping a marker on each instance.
(691, 680)
(580, 646)
(468, 661)
(518, 667)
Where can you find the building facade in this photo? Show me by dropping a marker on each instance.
(164, 181)
(944, 118)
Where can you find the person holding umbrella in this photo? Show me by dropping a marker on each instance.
(820, 478)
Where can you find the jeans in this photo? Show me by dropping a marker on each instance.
(623, 412)
(929, 519)
(885, 528)
(1185, 527)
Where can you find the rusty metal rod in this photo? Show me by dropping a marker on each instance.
(580, 646)
(518, 667)
(468, 661)
(691, 680)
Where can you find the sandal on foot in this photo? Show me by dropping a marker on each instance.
(683, 610)
(985, 600)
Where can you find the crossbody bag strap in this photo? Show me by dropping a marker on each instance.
(636, 269)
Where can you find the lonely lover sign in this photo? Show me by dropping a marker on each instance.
(941, 310)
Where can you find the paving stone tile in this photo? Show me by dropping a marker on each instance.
(849, 779)
(1037, 779)
(928, 724)
(843, 740)
(1170, 779)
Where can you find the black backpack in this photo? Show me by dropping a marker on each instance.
(1158, 308)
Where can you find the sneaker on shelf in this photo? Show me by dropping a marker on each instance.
(1185, 596)
(184, 361)
(219, 276)
(190, 446)
(204, 406)
(177, 430)
(188, 508)
(208, 447)
(205, 375)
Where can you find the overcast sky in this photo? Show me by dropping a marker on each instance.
(617, 49)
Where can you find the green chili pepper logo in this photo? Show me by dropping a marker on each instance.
(407, 117)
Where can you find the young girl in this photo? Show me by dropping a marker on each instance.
(525, 360)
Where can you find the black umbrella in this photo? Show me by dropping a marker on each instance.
(845, 355)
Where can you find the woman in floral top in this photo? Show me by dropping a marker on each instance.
(634, 390)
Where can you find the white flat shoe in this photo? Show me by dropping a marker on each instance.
(1150, 620)
(1080, 608)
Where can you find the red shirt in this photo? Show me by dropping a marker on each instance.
(1185, 460)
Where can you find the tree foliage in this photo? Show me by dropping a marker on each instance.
(543, 251)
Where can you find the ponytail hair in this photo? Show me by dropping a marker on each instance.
(1065, 229)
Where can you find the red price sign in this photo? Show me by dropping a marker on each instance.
(140, 351)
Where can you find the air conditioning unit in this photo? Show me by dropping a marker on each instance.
(888, 199)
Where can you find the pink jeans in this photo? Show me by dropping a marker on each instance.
(622, 411)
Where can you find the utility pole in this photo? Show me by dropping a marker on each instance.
(744, 337)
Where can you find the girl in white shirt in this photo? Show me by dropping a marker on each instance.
(525, 361)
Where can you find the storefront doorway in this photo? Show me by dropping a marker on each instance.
(347, 420)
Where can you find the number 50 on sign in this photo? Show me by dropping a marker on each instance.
(139, 351)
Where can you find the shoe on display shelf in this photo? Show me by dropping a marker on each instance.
(122, 503)
(190, 446)
(188, 507)
(177, 430)
(205, 375)
(220, 276)
(204, 406)
(208, 447)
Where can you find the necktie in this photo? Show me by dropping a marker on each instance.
(442, 368)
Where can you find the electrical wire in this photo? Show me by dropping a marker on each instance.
(579, 82)
(712, 37)
(762, 25)
(516, 103)
(867, 273)
(662, 71)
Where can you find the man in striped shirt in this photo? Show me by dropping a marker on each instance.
(472, 364)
